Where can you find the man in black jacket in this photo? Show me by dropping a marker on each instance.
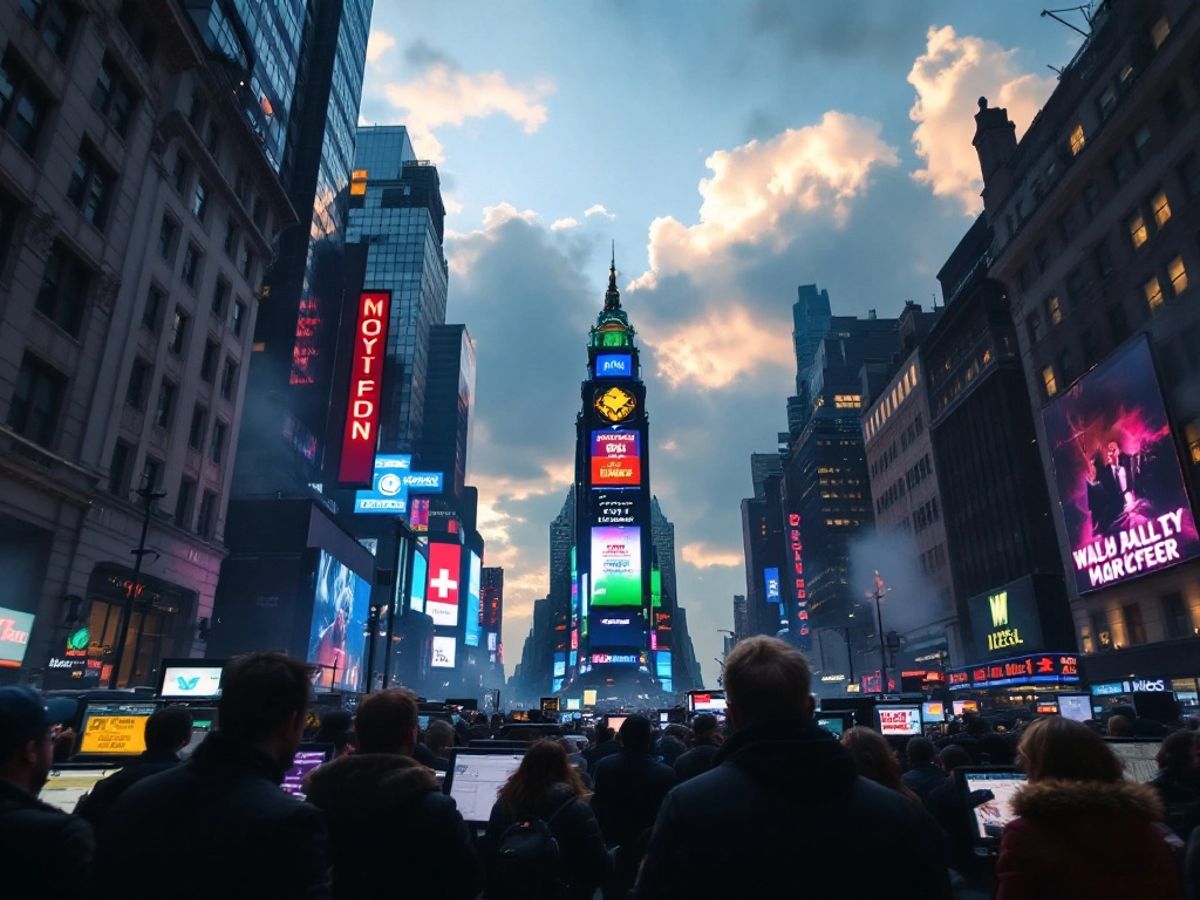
(387, 815)
(606, 745)
(924, 773)
(43, 852)
(219, 825)
(784, 813)
(706, 742)
(168, 731)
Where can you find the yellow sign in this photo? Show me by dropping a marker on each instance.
(615, 404)
(125, 735)
(999, 604)
(1003, 637)
(589, 697)
(358, 183)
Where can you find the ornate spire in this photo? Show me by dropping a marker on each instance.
(612, 297)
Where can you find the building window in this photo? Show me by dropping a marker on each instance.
(118, 470)
(151, 474)
(1103, 257)
(1049, 382)
(1077, 139)
(181, 173)
(197, 428)
(190, 273)
(1087, 342)
(1091, 199)
(1141, 142)
(152, 312)
(55, 19)
(114, 96)
(220, 297)
(1135, 628)
(1136, 226)
(1066, 366)
(23, 103)
(139, 380)
(1173, 104)
(1101, 632)
(1042, 252)
(245, 262)
(91, 185)
(1106, 102)
(239, 317)
(232, 232)
(207, 524)
(1054, 310)
(178, 336)
(1076, 285)
(166, 405)
(208, 362)
(1178, 275)
(167, 233)
(1162, 209)
(1177, 619)
(200, 201)
(212, 138)
(63, 294)
(229, 379)
(1033, 326)
(1118, 322)
(183, 502)
(1122, 165)
(1189, 174)
(1154, 294)
(133, 21)
(37, 401)
(1191, 434)
(216, 444)
(1159, 31)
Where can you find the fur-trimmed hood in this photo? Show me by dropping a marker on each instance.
(369, 782)
(1068, 799)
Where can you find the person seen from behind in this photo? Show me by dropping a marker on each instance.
(43, 852)
(219, 825)
(783, 813)
(924, 772)
(1178, 781)
(1081, 830)
(439, 738)
(705, 743)
(875, 759)
(168, 731)
(546, 790)
(391, 829)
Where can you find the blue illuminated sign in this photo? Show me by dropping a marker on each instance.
(388, 495)
(614, 365)
(771, 581)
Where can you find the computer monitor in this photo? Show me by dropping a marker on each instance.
(1077, 707)
(307, 758)
(991, 815)
(664, 718)
(475, 777)
(113, 729)
(203, 721)
(898, 721)
(962, 707)
(706, 701)
(1138, 756)
(1046, 708)
(191, 679)
(615, 722)
(933, 711)
(66, 784)
(834, 723)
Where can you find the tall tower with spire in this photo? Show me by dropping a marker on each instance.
(615, 589)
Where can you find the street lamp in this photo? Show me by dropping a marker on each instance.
(148, 495)
(878, 594)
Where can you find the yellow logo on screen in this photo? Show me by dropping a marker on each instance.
(615, 404)
(114, 734)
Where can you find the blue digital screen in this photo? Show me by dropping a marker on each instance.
(614, 365)
(471, 630)
(771, 583)
(416, 600)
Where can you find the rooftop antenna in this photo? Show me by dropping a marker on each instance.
(1085, 8)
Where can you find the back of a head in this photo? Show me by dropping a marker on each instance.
(767, 679)
(386, 721)
(604, 733)
(1119, 726)
(168, 729)
(920, 751)
(954, 756)
(873, 757)
(544, 766)
(704, 727)
(333, 725)
(439, 735)
(1060, 748)
(260, 693)
(637, 734)
(1177, 753)
(975, 726)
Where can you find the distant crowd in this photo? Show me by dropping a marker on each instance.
(764, 805)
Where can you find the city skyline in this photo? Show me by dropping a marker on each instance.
(794, 185)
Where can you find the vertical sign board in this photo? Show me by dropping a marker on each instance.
(442, 590)
(366, 389)
(471, 632)
(795, 548)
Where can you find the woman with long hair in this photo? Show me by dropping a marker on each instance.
(876, 761)
(1081, 830)
(545, 792)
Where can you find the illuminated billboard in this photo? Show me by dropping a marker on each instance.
(14, 636)
(662, 663)
(471, 629)
(616, 459)
(560, 665)
(339, 620)
(366, 388)
(795, 549)
(618, 628)
(445, 652)
(771, 585)
(388, 494)
(655, 587)
(614, 365)
(616, 566)
(613, 507)
(418, 514)
(442, 588)
(416, 600)
(1120, 489)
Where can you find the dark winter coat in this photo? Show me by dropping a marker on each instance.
(392, 832)
(584, 859)
(695, 762)
(629, 788)
(1086, 840)
(923, 779)
(43, 851)
(217, 825)
(95, 804)
(593, 755)
(784, 814)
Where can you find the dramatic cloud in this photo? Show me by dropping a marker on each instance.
(564, 224)
(950, 77)
(597, 209)
(378, 43)
(702, 556)
(817, 169)
(442, 93)
(714, 352)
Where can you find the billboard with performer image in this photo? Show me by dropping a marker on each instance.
(1117, 475)
(339, 622)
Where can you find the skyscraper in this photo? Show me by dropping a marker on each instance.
(811, 316)
(448, 402)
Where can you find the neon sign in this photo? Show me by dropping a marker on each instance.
(362, 413)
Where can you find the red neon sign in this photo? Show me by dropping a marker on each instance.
(362, 410)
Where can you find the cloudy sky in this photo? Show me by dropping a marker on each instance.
(732, 150)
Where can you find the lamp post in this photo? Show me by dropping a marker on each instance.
(881, 590)
(148, 495)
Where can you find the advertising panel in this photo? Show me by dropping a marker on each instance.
(615, 659)
(614, 365)
(199, 681)
(1117, 474)
(771, 586)
(899, 721)
(445, 652)
(442, 589)
(1005, 621)
(662, 663)
(388, 494)
(614, 404)
(616, 566)
(416, 600)
(14, 636)
(795, 549)
(418, 514)
(613, 507)
(655, 587)
(616, 459)
(620, 627)
(560, 665)
(471, 626)
(339, 621)
(1039, 668)
(366, 387)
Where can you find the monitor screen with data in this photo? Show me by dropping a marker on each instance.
(475, 778)
(64, 787)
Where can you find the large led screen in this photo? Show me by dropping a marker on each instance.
(471, 629)
(616, 566)
(442, 589)
(616, 459)
(1119, 485)
(444, 652)
(420, 568)
(335, 639)
(618, 628)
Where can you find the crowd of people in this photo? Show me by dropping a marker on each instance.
(767, 804)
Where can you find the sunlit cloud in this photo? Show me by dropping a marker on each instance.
(378, 43)
(564, 224)
(716, 351)
(818, 168)
(597, 209)
(949, 78)
(704, 556)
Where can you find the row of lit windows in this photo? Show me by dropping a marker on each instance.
(892, 400)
